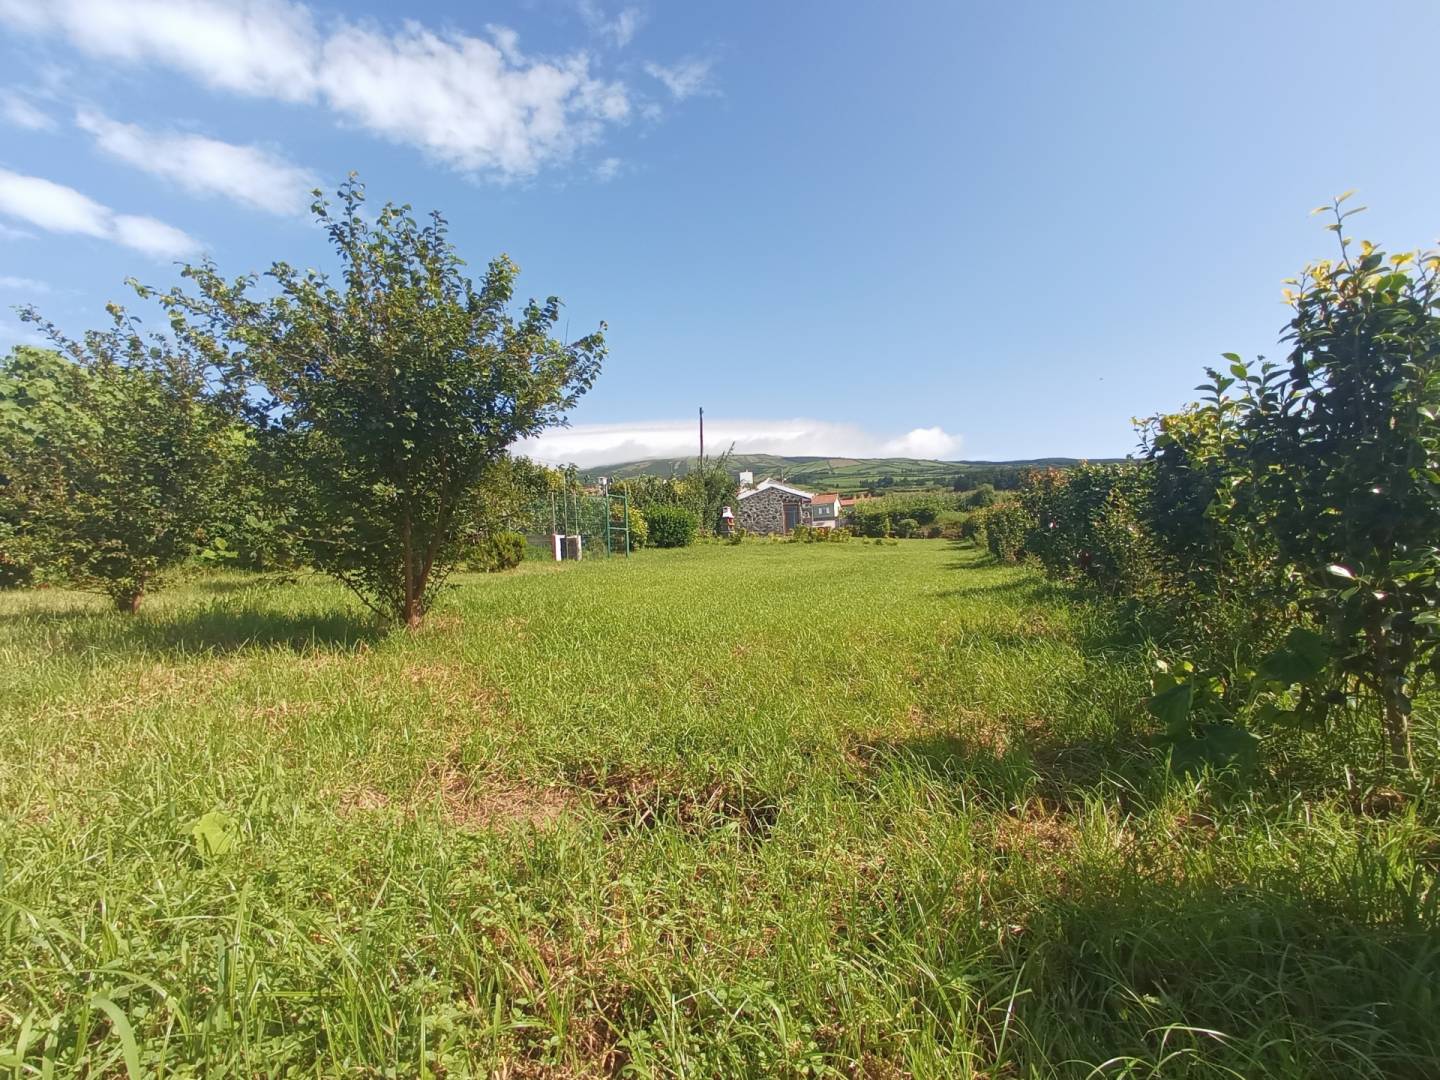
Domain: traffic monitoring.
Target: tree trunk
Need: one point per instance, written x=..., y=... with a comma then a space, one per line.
x=129, y=604
x=1397, y=734
x=411, y=612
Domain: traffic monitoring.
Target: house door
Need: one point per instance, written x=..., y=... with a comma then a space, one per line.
x=792, y=515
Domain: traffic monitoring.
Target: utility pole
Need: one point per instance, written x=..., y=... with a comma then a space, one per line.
x=702, y=436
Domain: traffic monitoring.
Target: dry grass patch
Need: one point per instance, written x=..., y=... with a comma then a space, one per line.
x=470, y=802
x=640, y=798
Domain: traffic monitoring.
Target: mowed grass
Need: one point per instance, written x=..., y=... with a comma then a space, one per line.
x=768, y=810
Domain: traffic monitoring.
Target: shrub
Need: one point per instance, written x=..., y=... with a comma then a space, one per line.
x=115, y=457
x=1007, y=525
x=498, y=551
x=639, y=528
x=382, y=395
x=981, y=497
x=672, y=526
x=1281, y=534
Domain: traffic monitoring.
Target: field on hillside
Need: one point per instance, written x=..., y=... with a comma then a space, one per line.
x=848, y=476
x=767, y=810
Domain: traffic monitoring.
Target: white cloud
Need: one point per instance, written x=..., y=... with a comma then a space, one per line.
x=9, y=232
x=619, y=30
x=23, y=284
x=477, y=103
x=51, y=206
x=247, y=174
x=18, y=112
x=685, y=79
x=928, y=442
x=57, y=208
x=260, y=47
x=610, y=444
x=608, y=169
x=152, y=237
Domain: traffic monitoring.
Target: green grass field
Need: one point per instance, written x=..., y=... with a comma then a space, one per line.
x=768, y=810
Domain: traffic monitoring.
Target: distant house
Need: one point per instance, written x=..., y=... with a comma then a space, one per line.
x=771, y=507
x=825, y=511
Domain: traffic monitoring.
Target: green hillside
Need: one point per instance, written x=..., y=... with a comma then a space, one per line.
x=846, y=475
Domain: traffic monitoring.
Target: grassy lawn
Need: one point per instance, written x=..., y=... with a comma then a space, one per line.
x=760, y=811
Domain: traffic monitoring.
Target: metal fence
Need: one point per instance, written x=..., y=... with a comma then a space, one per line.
x=579, y=525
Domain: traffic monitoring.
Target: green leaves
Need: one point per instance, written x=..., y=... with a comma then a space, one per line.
x=215, y=834
x=1302, y=659
x=380, y=401
x=117, y=446
x=1172, y=707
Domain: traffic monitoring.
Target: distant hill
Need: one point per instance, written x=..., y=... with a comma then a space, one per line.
x=846, y=475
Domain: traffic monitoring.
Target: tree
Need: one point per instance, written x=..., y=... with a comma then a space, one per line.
x=115, y=448
x=31, y=406
x=708, y=488
x=1343, y=445
x=380, y=400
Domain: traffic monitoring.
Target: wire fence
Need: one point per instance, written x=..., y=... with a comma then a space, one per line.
x=578, y=525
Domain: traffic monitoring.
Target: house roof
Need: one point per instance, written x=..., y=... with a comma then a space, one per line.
x=828, y=498
x=766, y=485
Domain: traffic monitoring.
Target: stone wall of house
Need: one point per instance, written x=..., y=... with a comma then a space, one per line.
x=764, y=512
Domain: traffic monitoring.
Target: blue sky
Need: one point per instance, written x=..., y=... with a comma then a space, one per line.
x=947, y=229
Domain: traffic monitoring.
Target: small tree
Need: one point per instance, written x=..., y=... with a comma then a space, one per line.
x=708, y=488
x=1344, y=448
x=118, y=447
x=671, y=526
x=381, y=399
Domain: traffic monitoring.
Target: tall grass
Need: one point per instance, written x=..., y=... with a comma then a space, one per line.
x=763, y=810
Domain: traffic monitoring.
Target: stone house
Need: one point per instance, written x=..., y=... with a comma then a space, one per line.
x=771, y=507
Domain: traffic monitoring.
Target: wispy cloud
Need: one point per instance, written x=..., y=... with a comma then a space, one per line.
x=22, y=284
x=479, y=104
x=619, y=29
x=56, y=208
x=19, y=111
x=610, y=444
x=205, y=166
x=260, y=47
x=608, y=169
x=685, y=79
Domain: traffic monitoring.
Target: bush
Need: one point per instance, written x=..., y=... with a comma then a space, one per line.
x=907, y=527
x=981, y=497
x=1281, y=535
x=952, y=525
x=1006, y=526
x=639, y=525
x=499, y=551
x=672, y=526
